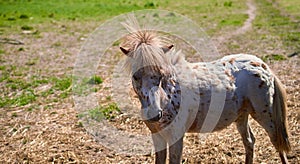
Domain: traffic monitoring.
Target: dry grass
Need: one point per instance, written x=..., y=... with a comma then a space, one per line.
x=51, y=132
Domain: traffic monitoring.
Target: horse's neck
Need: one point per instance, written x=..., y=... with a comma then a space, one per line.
x=173, y=91
x=171, y=83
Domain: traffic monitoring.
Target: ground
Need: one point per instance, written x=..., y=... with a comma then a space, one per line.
x=38, y=120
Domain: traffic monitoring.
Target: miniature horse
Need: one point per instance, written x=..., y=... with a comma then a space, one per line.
x=177, y=96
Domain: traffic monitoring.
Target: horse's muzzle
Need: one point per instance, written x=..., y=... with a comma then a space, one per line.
x=155, y=118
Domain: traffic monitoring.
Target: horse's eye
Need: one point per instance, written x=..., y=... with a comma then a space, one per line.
x=160, y=77
x=134, y=77
x=156, y=78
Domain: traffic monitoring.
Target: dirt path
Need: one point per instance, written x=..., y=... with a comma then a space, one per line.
x=251, y=12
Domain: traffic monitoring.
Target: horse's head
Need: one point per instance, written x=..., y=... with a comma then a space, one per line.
x=147, y=85
x=148, y=64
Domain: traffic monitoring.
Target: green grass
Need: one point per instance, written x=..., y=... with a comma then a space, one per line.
x=271, y=19
x=107, y=112
x=86, y=85
x=292, y=7
x=14, y=114
x=17, y=91
x=273, y=57
x=2, y=51
x=25, y=97
x=212, y=15
x=26, y=27
x=235, y=20
x=37, y=11
x=95, y=80
x=62, y=84
x=27, y=14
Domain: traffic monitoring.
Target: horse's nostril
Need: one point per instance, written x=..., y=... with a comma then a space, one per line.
x=156, y=118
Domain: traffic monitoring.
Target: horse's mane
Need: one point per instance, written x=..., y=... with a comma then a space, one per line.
x=145, y=47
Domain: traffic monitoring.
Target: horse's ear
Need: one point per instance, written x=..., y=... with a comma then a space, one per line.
x=168, y=48
x=125, y=51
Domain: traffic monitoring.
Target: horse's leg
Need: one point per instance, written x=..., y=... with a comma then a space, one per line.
x=175, y=152
x=247, y=136
x=283, y=157
x=160, y=147
x=268, y=124
x=269, y=110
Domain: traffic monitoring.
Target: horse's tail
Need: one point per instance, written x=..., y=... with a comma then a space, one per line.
x=279, y=116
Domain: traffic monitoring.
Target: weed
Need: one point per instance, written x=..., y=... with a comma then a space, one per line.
x=95, y=80
x=41, y=81
x=17, y=84
x=52, y=113
x=51, y=15
x=14, y=114
x=22, y=99
x=25, y=98
x=24, y=16
x=107, y=112
x=26, y=27
x=228, y=3
x=30, y=63
x=48, y=107
x=62, y=84
x=82, y=86
x=20, y=92
x=150, y=5
x=273, y=57
x=56, y=44
x=21, y=49
x=24, y=141
x=110, y=111
x=278, y=57
x=236, y=20
x=106, y=88
x=94, y=114
x=108, y=98
x=11, y=19
x=47, y=93
x=30, y=109
x=14, y=129
x=80, y=124
x=292, y=36
x=116, y=43
x=64, y=95
x=2, y=67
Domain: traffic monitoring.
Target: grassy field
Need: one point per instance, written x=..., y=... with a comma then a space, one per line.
x=39, y=41
x=33, y=19
x=290, y=7
x=26, y=14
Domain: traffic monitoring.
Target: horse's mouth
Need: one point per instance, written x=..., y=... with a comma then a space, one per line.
x=155, y=118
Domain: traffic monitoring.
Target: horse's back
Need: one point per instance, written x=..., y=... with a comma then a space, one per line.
x=241, y=58
x=253, y=79
x=244, y=78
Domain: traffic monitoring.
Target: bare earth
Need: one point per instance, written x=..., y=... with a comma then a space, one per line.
x=53, y=135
